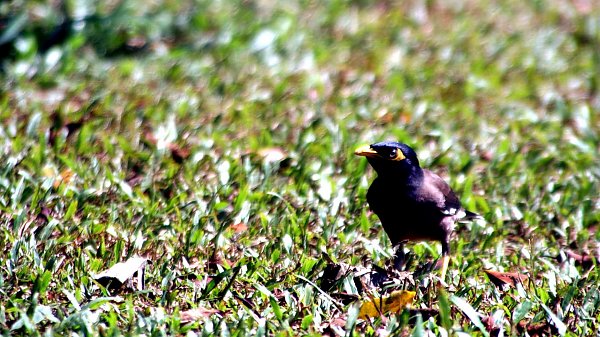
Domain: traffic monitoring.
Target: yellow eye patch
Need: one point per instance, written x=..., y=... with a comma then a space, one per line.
x=399, y=156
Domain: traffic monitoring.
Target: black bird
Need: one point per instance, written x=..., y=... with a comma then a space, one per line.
x=412, y=203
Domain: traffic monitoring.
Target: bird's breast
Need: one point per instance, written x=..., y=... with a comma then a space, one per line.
x=403, y=215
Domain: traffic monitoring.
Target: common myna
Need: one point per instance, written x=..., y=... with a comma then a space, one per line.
x=412, y=203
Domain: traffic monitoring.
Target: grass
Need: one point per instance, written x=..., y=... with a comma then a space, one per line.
x=157, y=129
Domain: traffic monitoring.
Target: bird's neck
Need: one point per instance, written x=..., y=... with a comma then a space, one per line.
x=409, y=178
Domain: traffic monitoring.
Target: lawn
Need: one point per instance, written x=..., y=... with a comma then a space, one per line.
x=215, y=139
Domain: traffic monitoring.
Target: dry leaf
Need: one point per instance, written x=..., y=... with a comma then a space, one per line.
x=338, y=322
x=239, y=227
x=65, y=177
x=394, y=302
x=499, y=279
x=197, y=314
x=178, y=153
x=584, y=260
x=272, y=154
x=121, y=272
x=537, y=329
x=335, y=327
x=150, y=138
x=49, y=172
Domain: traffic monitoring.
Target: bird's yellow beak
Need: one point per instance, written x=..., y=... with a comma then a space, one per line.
x=366, y=151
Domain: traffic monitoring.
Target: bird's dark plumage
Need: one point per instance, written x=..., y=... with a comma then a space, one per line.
x=412, y=203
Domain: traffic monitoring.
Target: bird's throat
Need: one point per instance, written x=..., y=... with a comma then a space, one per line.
x=406, y=177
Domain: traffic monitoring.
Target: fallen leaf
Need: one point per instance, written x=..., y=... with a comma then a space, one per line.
x=197, y=314
x=43, y=217
x=150, y=138
x=586, y=261
x=536, y=329
x=239, y=227
x=178, y=153
x=385, y=117
x=335, y=327
x=500, y=279
x=121, y=272
x=272, y=154
x=396, y=301
x=338, y=322
x=486, y=155
x=405, y=117
x=65, y=177
x=49, y=172
x=216, y=259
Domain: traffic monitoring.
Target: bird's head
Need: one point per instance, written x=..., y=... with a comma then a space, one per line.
x=390, y=158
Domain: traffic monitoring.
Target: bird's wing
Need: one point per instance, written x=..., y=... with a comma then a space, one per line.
x=434, y=189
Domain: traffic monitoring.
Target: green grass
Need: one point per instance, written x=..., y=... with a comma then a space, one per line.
x=501, y=98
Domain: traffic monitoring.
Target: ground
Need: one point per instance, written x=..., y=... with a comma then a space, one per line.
x=216, y=139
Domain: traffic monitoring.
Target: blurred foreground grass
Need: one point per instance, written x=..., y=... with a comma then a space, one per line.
x=216, y=138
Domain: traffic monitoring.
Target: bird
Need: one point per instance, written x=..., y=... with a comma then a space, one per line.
x=412, y=203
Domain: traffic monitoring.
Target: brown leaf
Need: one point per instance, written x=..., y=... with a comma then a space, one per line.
x=500, y=279
x=149, y=138
x=216, y=259
x=178, y=153
x=537, y=329
x=586, y=261
x=334, y=327
x=43, y=217
x=197, y=314
x=405, y=117
x=486, y=155
x=65, y=177
x=385, y=117
x=339, y=321
x=489, y=324
x=239, y=227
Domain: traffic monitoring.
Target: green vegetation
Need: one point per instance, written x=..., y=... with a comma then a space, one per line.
x=158, y=128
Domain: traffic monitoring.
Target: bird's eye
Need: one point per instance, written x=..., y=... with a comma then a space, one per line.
x=396, y=155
